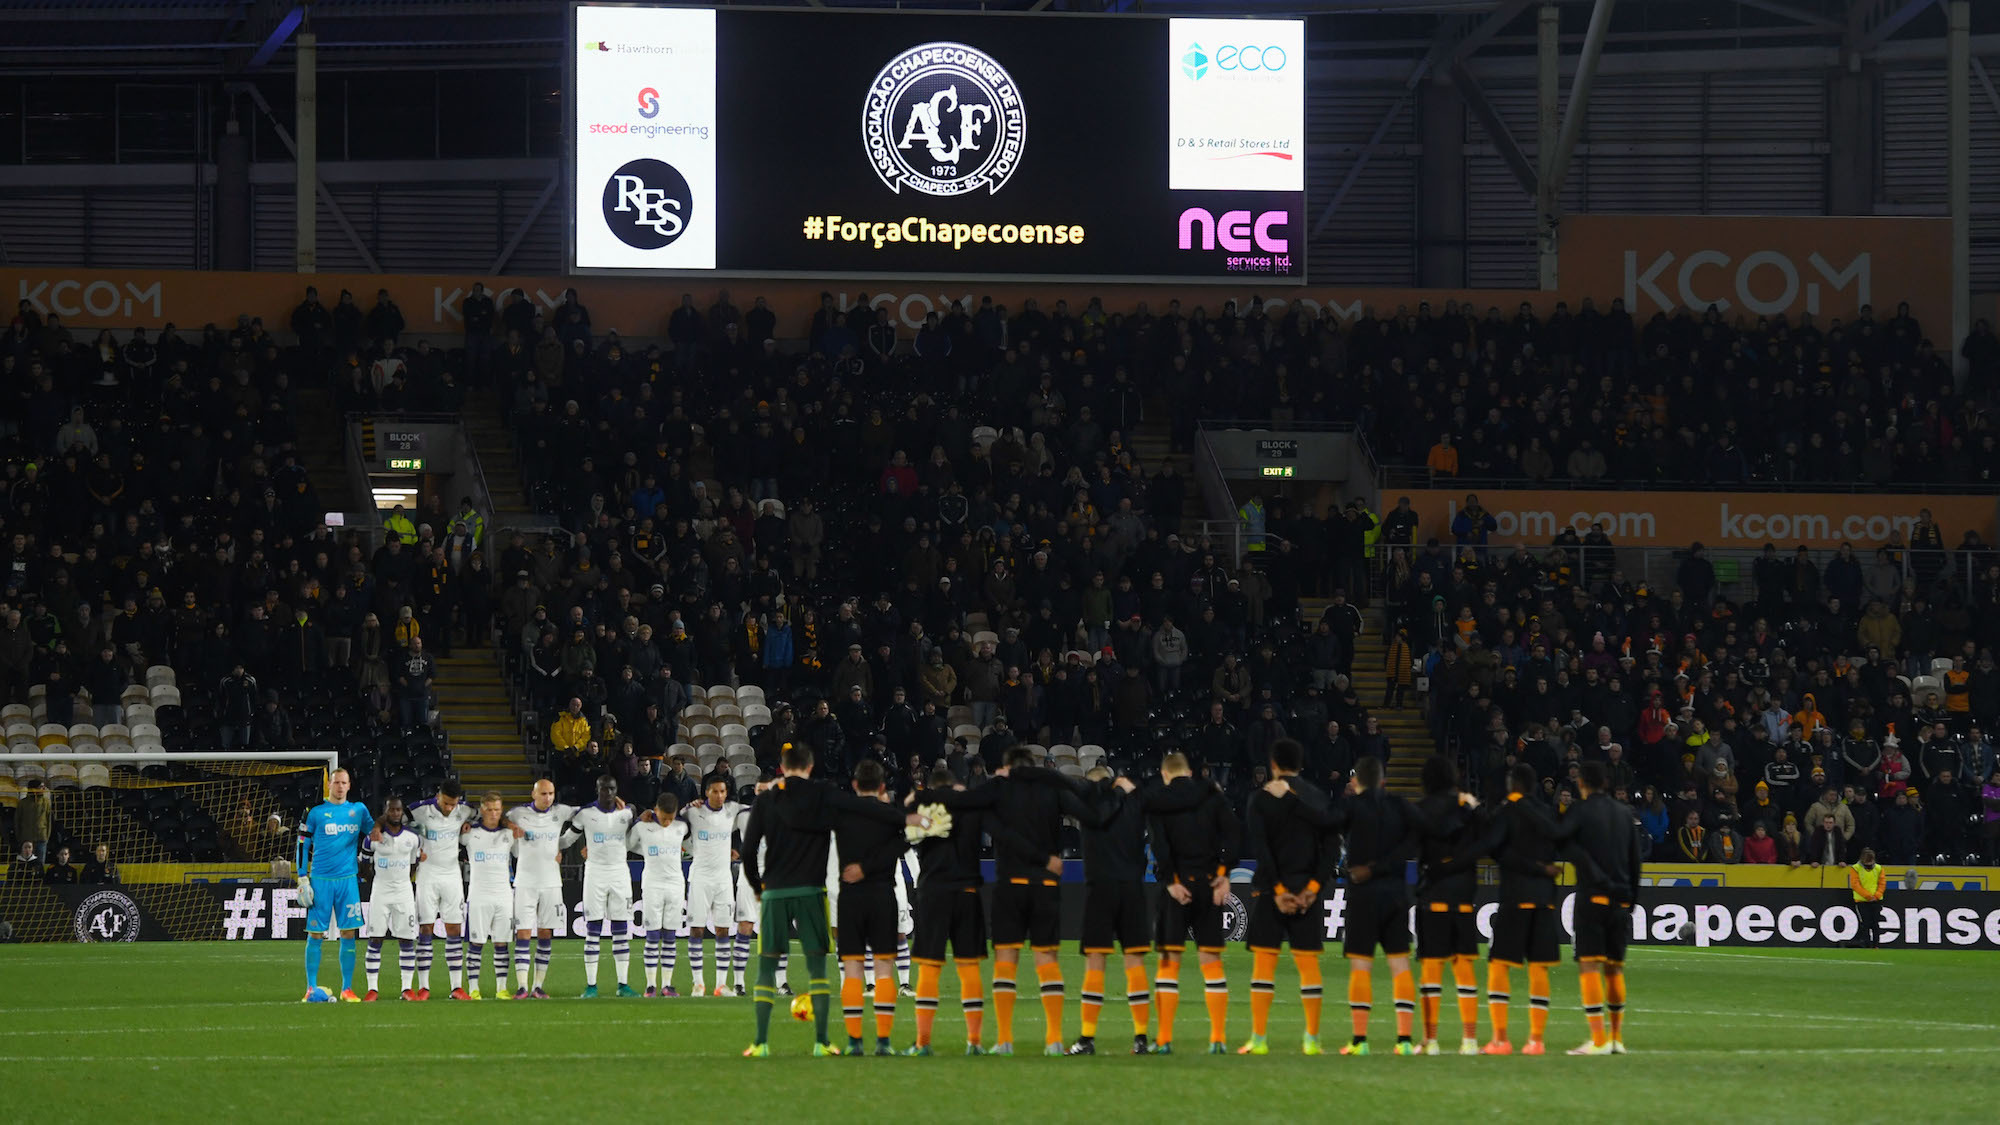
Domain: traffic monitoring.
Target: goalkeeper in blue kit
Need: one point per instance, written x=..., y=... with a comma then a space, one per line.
x=329, y=882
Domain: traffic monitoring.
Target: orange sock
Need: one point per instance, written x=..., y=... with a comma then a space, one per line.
x=1215, y=990
x=1614, y=1002
x=1263, y=989
x=1430, y=991
x=1090, y=1002
x=1138, y=998
x=1468, y=995
x=1167, y=989
x=885, y=1005
x=851, y=1005
x=1051, y=979
x=927, y=996
x=1497, y=998
x=1405, y=986
x=970, y=1000
x=1309, y=988
x=1592, y=987
x=1360, y=994
x=1003, y=1000
x=1538, y=1002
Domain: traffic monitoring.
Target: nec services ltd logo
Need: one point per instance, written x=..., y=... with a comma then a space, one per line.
x=647, y=203
x=649, y=103
x=944, y=119
x=1233, y=58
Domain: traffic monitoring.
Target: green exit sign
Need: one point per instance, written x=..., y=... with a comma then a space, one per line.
x=416, y=465
x=1278, y=470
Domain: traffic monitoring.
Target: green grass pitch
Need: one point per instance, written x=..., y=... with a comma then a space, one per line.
x=214, y=1032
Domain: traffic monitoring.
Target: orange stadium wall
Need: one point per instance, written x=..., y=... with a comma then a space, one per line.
x=1715, y=519
x=1760, y=265
x=1748, y=265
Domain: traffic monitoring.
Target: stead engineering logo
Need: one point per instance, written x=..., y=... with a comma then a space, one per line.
x=647, y=203
x=944, y=119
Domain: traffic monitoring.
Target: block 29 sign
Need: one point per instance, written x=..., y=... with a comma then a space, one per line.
x=1277, y=449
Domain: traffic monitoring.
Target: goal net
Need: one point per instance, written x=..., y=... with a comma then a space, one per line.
x=173, y=827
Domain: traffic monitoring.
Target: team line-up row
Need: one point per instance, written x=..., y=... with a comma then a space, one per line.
x=832, y=869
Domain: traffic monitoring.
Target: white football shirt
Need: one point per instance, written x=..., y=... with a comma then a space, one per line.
x=660, y=844
x=604, y=835
x=490, y=850
x=440, y=832
x=395, y=855
x=539, y=852
x=709, y=836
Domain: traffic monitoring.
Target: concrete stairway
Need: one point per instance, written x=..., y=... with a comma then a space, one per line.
x=322, y=449
x=494, y=442
x=1410, y=740
x=486, y=745
x=1151, y=442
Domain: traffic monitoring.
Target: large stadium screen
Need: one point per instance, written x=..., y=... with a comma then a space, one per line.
x=822, y=143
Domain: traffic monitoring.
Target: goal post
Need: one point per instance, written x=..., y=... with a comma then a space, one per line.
x=175, y=826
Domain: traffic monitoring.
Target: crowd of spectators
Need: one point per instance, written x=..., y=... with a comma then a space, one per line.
x=1829, y=702
x=836, y=522
x=157, y=514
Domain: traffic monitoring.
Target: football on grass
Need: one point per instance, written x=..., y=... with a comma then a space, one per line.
x=802, y=1008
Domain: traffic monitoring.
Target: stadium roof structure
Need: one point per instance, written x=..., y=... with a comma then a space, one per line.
x=242, y=36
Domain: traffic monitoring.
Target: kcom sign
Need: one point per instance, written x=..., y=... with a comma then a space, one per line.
x=1751, y=266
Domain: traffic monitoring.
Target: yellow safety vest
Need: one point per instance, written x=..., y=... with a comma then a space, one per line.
x=1373, y=535
x=1867, y=884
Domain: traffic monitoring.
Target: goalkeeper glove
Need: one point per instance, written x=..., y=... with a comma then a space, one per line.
x=305, y=891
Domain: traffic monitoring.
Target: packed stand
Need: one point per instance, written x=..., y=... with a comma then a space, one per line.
x=1588, y=397
x=1822, y=703
x=171, y=583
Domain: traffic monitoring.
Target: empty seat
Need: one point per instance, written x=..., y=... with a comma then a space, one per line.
x=16, y=731
x=166, y=696
x=137, y=693
x=680, y=750
x=986, y=637
x=93, y=775
x=114, y=732
x=1940, y=666
x=52, y=735
x=965, y=730
x=695, y=711
x=62, y=775
x=37, y=691
x=161, y=675
x=749, y=694
x=14, y=713
x=82, y=731
x=756, y=715
x=29, y=771
x=137, y=713
x=734, y=732
x=720, y=693
x=958, y=714
x=703, y=732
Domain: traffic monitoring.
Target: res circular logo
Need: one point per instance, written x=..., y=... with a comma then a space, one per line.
x=1235, y=918
x=647, y=203
x=944, y=119
x=107, y=916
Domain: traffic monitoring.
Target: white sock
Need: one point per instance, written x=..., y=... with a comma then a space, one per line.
x=454, y=960
x=374, y=963
x=621, y=951
x=406, y=960
x=590, y=960
x=695, y=952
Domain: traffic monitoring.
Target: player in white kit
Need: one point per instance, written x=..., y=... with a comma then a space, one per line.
x=538, y=898
x=746, y=916
x=659, y=837
x=607, y=884
x=392, y=907
x=711, y=889
x=489, y=852
x=440, y=885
